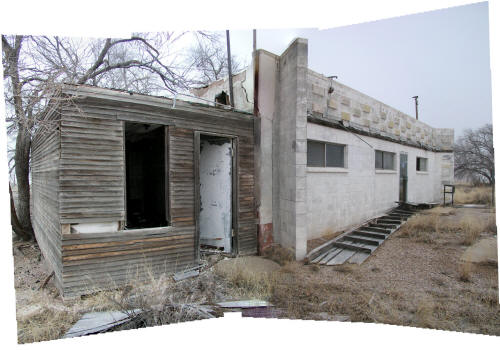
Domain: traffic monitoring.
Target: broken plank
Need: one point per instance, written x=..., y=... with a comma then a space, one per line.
x=331, y=254
x=341, y=257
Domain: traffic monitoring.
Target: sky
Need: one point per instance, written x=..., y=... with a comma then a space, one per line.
x=442, y=56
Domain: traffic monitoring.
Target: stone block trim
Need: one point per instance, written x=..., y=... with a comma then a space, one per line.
x=332, y=103
x=381, y=117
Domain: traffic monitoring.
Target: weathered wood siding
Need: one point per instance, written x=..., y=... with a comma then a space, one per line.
x=92, y=166
x=93, y=184
x=45, y=153
x=247, y=228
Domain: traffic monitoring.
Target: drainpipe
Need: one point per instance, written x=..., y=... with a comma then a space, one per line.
x=231, y=96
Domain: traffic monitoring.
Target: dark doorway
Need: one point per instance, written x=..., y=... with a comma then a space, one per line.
x=145, y=175
x=403, y=177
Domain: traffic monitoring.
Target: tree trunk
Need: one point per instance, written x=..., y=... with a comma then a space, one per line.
x=16, y=226
x=22, y=156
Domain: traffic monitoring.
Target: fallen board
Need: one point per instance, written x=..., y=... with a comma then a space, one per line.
x=96, y=322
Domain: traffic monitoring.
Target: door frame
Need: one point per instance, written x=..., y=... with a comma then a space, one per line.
x=403, y=180
x=234, y=191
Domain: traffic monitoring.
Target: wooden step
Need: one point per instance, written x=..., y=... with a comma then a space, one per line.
x=389, y=221
x=331, y=254
x=383, y=226
x=362, y=240
x=352, y=247
x=375, y=229
x=342, y=257
x=395, y=217
x=369, y=234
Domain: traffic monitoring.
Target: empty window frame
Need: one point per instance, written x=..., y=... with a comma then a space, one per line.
x=322, y=154
x=146, y=175
x=421, y=164
x=384, y=160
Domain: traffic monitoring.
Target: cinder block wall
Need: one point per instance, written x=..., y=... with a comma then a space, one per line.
x=291, y=158
x=354, y=107
x=338, y=199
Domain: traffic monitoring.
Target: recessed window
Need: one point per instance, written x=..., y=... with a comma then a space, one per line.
x=421, y=164
x=321, y=154
x=384, y=160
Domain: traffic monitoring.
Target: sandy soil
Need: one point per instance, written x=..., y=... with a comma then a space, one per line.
x=405, y=282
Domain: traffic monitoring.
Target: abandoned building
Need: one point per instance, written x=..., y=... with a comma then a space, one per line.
x=329, y=157
x=125, y=179
x=122, y=181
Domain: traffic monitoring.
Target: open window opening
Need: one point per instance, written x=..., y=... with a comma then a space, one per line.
x=216, y=186
x=145, y=175
x=421, y=164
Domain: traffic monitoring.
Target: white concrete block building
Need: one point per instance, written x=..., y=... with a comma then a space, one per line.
x=329, y=157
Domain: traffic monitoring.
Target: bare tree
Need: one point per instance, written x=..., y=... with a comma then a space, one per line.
x=475, y=156
x=34, y=67
x=208, y=58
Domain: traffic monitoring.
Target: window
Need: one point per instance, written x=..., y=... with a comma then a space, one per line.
x=384, y=160
x=421, y=164
x=321, y=154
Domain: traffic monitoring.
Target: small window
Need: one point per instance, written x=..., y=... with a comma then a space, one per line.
x=421, y=164
x=321, y=154
x=384, y=160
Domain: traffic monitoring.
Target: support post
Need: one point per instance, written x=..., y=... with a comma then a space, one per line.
x=229, y=71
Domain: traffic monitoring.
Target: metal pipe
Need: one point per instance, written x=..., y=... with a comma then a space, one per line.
x=416, y=106
x=231, y=96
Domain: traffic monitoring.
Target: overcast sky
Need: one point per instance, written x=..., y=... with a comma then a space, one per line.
x=441, y=56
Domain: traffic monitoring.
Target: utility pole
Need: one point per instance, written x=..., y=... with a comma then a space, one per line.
x=254, y=40
x=416, y=106
x=231, y=96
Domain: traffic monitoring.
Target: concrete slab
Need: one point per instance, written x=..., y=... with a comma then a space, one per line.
x=484, y=251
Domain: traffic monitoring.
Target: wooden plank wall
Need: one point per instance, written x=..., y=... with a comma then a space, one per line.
x=92, y=190
x=247, y=228
x=45, y=154
x=92, y=166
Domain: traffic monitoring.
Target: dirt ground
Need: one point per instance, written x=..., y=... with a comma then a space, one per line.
x=413, y=279
x=407, y=281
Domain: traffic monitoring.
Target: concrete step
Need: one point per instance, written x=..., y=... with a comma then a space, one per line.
x=369, y=234
x=363, y=240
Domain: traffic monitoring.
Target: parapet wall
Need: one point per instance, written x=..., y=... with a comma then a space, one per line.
x=331, y=100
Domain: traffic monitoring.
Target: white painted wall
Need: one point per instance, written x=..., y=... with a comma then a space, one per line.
x=215, y=194
x=340, y=198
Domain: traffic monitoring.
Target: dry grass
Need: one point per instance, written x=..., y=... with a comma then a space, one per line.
x=472, y=195
x=430, y=226
x=250, y=284
x=465, y=272
x=421, y=228
x=441, y=211
x=425, y=313
x=471, y=228
x=279, y=254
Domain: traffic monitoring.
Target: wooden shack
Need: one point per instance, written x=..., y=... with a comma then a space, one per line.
x=126, y=184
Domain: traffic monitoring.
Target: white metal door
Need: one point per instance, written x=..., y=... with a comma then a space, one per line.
x=216, y=192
